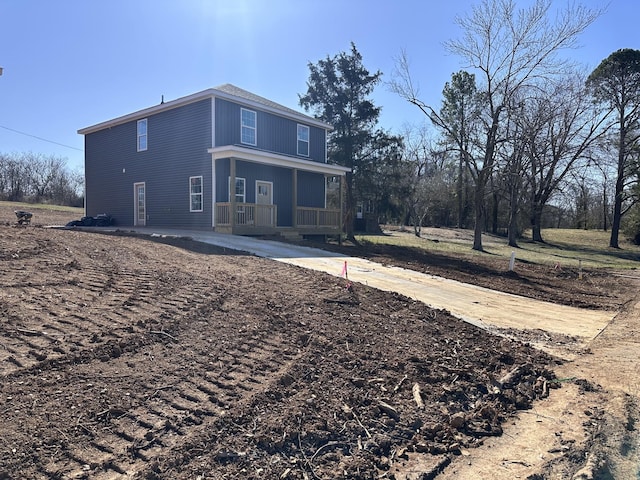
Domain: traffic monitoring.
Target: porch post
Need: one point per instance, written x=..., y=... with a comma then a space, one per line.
x=340, y=227
x=213, y=193
x=232, y=192
x=294, y=200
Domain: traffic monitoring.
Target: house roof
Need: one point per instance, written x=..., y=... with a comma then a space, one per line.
x=276, y=159
x=252, y=97
x=227, y=92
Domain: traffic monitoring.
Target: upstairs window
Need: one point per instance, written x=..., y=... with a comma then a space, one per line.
x=142, y=135
x=303, y=140
x=247, y=127
x=195, y=194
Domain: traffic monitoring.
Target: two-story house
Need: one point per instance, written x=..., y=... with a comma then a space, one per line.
x=222, y=159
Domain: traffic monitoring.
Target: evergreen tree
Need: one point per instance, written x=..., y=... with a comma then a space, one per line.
x=338, y=91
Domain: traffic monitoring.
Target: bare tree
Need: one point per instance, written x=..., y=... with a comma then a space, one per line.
x=511, y=49
x=514, y=163
x=67, y=188
x=417, y=150
x=428, y=196
x=429, y=176
x=584, y=185
x=616, y=83
x=561, y=127
x=39, y=178
x=4, y=165
x=42, y=172
x=14, y=178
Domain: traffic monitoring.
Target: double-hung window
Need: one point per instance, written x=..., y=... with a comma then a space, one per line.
x=195, y=194
x=240, y=191
x=303, y=140
x=248, y=126
x=142, y=135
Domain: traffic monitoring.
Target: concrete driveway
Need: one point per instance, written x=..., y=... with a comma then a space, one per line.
x=477, y=305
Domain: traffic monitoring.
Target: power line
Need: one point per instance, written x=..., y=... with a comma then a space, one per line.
x=40, y=138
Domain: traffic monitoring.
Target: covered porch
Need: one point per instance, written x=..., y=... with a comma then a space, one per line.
x=292, y=210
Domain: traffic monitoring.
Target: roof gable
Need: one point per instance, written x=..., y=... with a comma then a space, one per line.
x=252, y=97
x=227, y=91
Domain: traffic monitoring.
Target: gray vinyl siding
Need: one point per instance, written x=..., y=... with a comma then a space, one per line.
x=178, y=140
x=273, y=133
x=252, y=172
x=311, y=189
x=221, y=178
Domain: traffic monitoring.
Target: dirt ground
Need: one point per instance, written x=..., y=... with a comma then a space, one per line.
x=125, y=357
x=552, y=283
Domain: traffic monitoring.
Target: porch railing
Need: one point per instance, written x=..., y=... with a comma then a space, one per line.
x=254, y=215
x=247, y=215
x=318, y=218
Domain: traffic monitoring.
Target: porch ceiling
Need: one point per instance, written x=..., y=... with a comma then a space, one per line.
x=268, y=158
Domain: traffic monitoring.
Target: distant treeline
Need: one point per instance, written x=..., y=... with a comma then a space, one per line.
x=39, y=178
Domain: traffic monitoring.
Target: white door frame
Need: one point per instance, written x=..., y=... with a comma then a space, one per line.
x=137, y=221
x=265, y=217
x=263, y=182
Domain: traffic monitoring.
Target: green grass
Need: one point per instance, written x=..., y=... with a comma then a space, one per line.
x=41, y=206
x=563, y=247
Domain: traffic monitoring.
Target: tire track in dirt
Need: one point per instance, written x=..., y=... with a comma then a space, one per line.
x=103, y=305
x=161, y=419
x=125, y=318
x=172, y=364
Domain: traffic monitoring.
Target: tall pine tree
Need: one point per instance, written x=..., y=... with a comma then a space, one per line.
x=338, y=92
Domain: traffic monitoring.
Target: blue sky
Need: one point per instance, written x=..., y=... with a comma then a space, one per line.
x=69, y=64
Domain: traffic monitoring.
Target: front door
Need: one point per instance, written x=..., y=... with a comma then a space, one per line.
x=264, y=201
x=140, y=211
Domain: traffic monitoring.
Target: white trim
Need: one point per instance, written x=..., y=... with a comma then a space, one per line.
x=308, y=140
x=145, y=135
x=275, y=159
x=196, y=97
x=213, y=193
x=136, y=219
x=326, y=179
x=254, y=128
x=213, y=121
x=191, y=194
x=213, y=164
x=244, y=195
x=326, y=147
